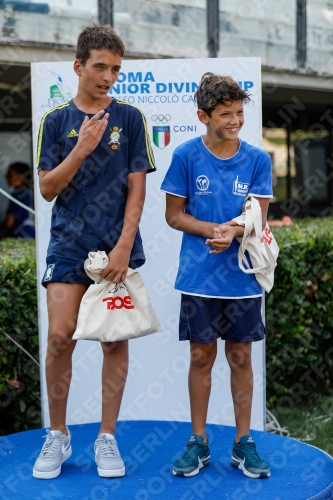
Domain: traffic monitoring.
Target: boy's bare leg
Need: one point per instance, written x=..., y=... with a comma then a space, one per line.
x=199, y=383
x=63, y=302
x=238, y=355
x=114, y=373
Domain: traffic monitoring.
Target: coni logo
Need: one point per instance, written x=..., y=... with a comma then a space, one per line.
x=202, y=183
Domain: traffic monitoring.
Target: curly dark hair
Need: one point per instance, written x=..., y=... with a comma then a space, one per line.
x=214, y=90
x=98, y=36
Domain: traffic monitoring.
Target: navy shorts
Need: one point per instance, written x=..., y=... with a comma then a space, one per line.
x=64, y=270
x=204, y=320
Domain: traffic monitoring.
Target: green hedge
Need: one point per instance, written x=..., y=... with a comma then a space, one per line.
x=19, y=375
x=299, y=314
x=299, y=320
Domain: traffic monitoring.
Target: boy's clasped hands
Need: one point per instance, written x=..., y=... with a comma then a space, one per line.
x=223, y=237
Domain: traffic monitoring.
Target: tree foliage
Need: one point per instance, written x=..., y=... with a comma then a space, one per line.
x=19, y=375
x=299, y=313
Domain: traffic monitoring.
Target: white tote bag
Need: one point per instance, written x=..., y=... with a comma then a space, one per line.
x=260, y=245
x=114, y=311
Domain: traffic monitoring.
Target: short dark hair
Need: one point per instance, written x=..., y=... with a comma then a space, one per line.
x=214, y=90
x=98, y=36
x=19, y=167
x=24, y=170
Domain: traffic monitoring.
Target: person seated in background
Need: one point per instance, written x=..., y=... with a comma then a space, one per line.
x=19, y=222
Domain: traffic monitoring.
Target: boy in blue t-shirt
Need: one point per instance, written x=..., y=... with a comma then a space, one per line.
x=93, y=155
x=206, y=185
x=19, y=222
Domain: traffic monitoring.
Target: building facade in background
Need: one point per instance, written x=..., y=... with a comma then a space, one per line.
x=294, y=39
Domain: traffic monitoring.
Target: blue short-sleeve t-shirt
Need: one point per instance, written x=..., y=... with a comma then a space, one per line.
x=24, y=224
x=88, y=214
x=215, y=190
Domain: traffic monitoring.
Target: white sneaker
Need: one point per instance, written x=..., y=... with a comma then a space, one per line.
x=55, y=451
x=108, y=460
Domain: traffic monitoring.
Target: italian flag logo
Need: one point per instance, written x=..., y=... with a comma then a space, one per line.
x=161, y=136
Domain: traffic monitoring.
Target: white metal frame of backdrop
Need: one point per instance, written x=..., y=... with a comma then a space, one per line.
x=156, y=388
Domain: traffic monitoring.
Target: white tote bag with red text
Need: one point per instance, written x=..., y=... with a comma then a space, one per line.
x=114, y=311
x=260, y=245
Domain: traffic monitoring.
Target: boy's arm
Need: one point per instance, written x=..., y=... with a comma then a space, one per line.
x=140, y=162
x=220, y=231
x=13, y=212
x=178, y=219
x=119, y=257
x=52, y=182
x=264, y=203
x=8, y=222
x=219, y=236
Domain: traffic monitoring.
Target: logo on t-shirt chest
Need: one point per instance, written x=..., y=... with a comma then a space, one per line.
x=240, y=188
x=202, y=183
x=72, y=133
x=114, y=142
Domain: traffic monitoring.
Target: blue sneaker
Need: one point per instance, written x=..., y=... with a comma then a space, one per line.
x=195, y=457
x=245, y=457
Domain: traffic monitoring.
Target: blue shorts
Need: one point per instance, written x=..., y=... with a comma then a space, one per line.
x=204, y=320
x=64, y=270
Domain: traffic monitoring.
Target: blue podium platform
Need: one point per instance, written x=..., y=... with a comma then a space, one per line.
x=298, y=471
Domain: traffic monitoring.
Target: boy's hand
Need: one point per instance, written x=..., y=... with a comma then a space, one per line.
x=223, y=236
x=91, y=132
x=116, y=269
x=230, y=223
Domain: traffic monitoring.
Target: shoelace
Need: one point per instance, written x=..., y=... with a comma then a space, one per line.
x=251, y=453
x=51, y=446
x=105, y=447
x=191, y=451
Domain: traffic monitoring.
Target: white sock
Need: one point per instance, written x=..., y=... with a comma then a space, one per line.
x=55, y=430
x=109, y=436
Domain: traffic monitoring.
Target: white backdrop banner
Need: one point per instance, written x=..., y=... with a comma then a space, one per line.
x=156, y=388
